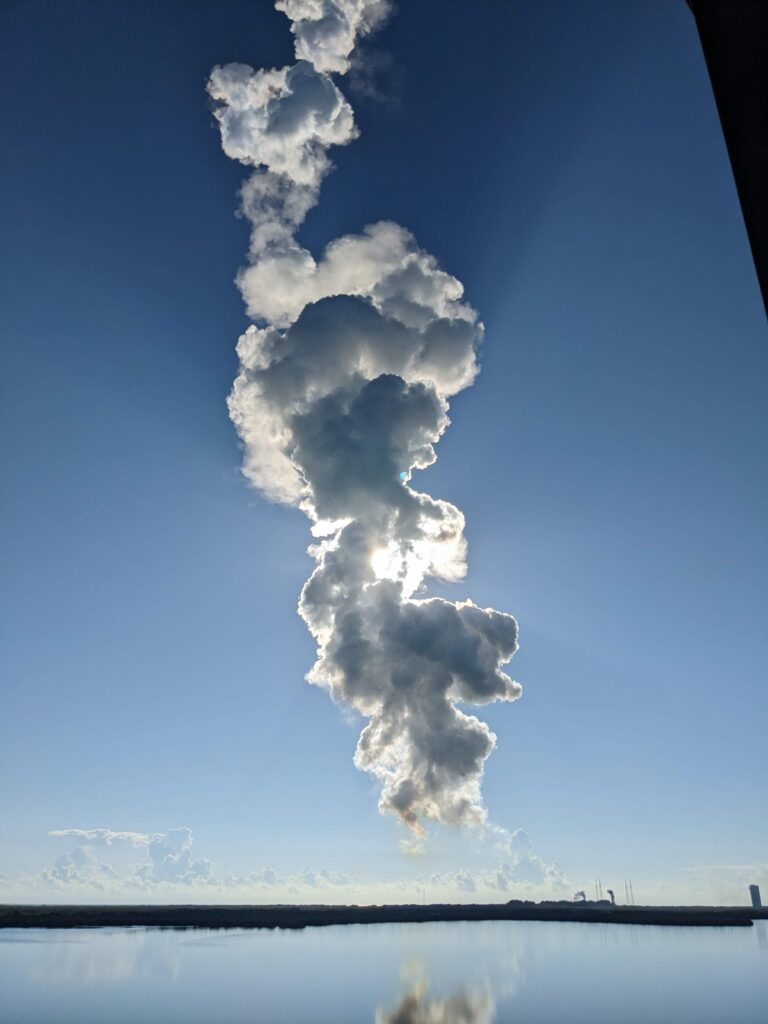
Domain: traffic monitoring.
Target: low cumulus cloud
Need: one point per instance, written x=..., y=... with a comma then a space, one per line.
x=167, y=862
x=81, y=868
x=522, y=874
x=342, y=395
x=168, y=858
x=104, y=861
x=522, y=864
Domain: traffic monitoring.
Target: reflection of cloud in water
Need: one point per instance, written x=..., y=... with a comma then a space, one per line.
x=463, y=1007
x=455, y=990
x=103, y=957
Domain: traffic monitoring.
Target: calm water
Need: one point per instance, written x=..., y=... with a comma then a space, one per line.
x=472, y=973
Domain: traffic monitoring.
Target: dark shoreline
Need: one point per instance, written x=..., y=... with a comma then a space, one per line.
x=288, y=916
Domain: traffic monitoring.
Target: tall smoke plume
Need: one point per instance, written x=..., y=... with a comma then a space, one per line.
x=342, y=392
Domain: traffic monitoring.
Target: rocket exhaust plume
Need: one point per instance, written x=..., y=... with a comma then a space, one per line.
x=342, y=392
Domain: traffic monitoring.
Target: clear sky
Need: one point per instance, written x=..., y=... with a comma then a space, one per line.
x=565, y=162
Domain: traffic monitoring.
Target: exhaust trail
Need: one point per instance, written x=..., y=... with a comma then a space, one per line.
x=342, y=392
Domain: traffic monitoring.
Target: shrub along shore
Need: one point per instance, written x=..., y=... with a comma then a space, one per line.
x=306, y=916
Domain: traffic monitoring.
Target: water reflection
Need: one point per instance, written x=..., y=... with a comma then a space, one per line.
x=107, y=957
x=461, y=1008
x=442, y=973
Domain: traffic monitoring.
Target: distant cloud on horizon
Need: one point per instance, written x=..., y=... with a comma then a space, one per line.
x=513, y=870
x=168, y=865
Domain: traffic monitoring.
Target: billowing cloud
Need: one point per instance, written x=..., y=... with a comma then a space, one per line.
x=522, y=863
x=170, y=859
x=384, y=265
x=283, y=119
x=80, y=867
x=522, y=873
x=326, y=31
x=342, y=394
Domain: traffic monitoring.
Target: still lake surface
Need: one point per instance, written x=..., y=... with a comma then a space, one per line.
x=526, y=972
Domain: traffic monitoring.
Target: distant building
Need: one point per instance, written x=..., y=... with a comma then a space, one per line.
x=754, y=892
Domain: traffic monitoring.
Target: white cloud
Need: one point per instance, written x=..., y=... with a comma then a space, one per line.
x=522, y=863
x=170, y=859
x=326, y=31
x=81, y=868
x=282, y=119
x=102, y=836
x=342, y=393
x=334, y=411
x=384, y=265
x=522, y=874
x=167, y=870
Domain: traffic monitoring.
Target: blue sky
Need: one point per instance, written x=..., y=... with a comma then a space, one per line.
x=565, y=162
